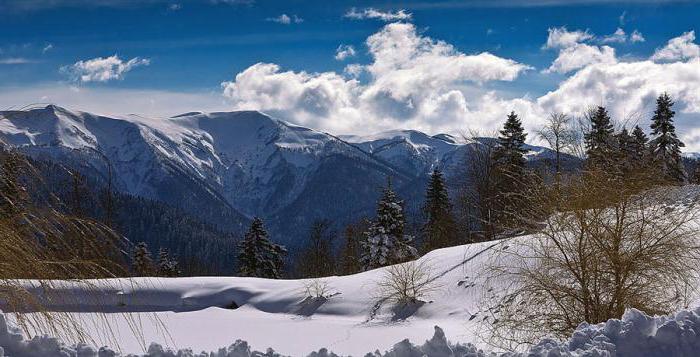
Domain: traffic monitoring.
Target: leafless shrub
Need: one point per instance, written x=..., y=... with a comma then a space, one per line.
x=611, y=246
x=317, y=289
x=406, y=283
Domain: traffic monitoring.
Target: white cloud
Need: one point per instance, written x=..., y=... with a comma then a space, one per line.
x=47, y=48
x=574, y=54
x=678, y=49
x=354, y=70
x=417, y=82
x=581, y=55
x=285, y=19
x=174, y=7
x=16, y=60
x=629, y=91
x=372, y=13
x=560, y=37
x=619, y=36
x=414, y=81
x=636, y=36
x=102, y=69
x=344, y=51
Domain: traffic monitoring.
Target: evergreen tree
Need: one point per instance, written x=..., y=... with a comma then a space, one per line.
x=600, y=144
x=439, y=230
x=385, y=241
x=142, y=261
x=511, y=174
x=639, y=149
x=510, y=153
x=167, y=266
x=665, y=145
x=625, y=152
x=258, y=256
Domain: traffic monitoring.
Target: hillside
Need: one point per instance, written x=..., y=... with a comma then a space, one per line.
x=227, y=167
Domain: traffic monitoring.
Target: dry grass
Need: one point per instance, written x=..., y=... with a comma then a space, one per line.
x=42, y=248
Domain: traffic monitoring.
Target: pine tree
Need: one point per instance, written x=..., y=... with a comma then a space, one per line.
x=625, y=152
x=439, y=230
x=510, y=152
x=142, y=262
x=167, y=266
x=600, y=143
x=258, y=256
x=510, y=171
x=665, y=146
x=639, y=149
x=385, y=241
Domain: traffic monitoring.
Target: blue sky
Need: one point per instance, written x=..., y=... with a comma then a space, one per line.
x=184, y=50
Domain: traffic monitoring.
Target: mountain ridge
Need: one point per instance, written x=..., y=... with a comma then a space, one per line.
x=245, y=163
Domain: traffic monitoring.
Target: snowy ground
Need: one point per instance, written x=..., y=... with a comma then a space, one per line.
x=190, y=312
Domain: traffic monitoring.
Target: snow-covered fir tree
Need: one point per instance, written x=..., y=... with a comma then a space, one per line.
x=439, y=229
x=167, y=265
x=142, y=261
x=258, y=256
x=665, y=146
x=385, y=241
x=600, y=143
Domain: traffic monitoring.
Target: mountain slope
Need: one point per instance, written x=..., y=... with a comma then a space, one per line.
x=227, y=167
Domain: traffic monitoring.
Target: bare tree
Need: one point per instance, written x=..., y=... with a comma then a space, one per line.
x=612, y=246
x=559, y=135
x=477, y=196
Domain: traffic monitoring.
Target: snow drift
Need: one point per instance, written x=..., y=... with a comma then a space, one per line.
x=636, y=334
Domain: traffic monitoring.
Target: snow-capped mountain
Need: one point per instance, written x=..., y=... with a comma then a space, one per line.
x=227, y=167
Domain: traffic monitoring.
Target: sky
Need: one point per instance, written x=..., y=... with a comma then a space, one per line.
x=357, y=67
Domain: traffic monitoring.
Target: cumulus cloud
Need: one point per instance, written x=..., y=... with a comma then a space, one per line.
x=285, y=19
x=414, y=81
x=343, y=52
x=574, y=53
x=636, y=36
x=354, y=70
x=619, y=36
x=372, y=13
x=560, y=37
x=629, y=90
x=678, y=49
x=102, y=69
x=581, y=55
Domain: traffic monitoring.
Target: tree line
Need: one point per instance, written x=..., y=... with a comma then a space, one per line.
x=496, y=195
